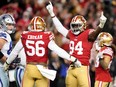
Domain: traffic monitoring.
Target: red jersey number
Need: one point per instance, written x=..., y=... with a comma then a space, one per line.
x=35, y=48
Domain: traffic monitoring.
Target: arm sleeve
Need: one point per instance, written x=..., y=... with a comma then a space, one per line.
x=62, y=53
x=60, y=27
x=15, y=52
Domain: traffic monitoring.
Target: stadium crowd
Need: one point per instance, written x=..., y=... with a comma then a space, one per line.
x=24, y=10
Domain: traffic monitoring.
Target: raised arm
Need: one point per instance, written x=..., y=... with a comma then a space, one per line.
x=56, y=21
x=94, y=34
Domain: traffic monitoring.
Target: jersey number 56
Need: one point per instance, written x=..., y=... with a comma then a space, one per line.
x=35, y=48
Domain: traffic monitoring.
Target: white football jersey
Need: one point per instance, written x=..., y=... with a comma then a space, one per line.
x=7, y=48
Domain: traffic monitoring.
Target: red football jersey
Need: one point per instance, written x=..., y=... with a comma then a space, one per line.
x=101, y=74
x=36, y=45
x=80, y=47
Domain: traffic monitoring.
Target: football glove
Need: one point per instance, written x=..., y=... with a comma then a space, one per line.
x=6, y=66
x=75, y=61
x=102, y=20
x=50, y=9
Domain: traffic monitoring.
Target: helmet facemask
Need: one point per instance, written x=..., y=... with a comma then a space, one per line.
x=77, y=28
x=78, y=24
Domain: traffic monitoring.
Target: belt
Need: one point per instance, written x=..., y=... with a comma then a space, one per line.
x=36, y=63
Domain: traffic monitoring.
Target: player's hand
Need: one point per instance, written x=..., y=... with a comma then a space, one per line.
x=102, y=20
x=50, y=9
x=75, y=61
x=6, y=66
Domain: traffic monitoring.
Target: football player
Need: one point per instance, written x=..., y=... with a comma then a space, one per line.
x=81, y=42
x=7, y=26
x=36, y=42
x=104, y=57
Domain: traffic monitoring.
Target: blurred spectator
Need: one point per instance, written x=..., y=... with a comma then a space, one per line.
x=62, y=73
x=24, y=21
x=54, y=64
x=13, y=8
x=113, y=71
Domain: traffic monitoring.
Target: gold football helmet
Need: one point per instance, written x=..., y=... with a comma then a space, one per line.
x=78, y=24
x=105, y=38
x=37, y=24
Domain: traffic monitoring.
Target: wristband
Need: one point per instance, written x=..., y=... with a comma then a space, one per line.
x=1, y=54
x=101, y=25
x=75, y=60
x=53, y=16
x=7, y=63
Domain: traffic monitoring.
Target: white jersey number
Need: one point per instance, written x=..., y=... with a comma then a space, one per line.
x=77, y=47
x=39, y=51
